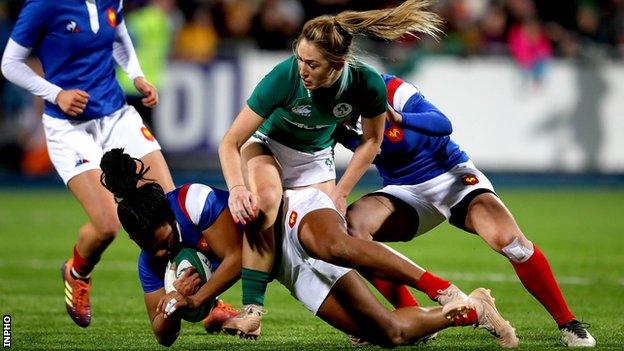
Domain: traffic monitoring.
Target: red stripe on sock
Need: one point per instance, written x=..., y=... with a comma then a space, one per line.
x=397, y=294
x=431, y=284
x=537, y=277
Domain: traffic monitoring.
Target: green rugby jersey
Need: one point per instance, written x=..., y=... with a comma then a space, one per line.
x=305, y=119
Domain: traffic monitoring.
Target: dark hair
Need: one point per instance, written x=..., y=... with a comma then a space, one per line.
x=140, y=209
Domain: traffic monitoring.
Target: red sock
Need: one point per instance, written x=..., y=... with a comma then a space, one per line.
x=397, y=294
x=537, y=277
x=469, y=319
x=431, y=284
x=81, y=265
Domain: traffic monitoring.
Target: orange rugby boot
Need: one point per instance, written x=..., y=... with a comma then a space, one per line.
x=76, y=296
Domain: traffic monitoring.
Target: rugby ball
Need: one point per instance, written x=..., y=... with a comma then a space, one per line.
x=185, y=259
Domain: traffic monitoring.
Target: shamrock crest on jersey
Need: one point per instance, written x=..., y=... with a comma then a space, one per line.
x=342, y=109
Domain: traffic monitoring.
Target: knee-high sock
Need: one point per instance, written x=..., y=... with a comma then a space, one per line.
x=254, y=286
x=537, y=277
x=397, y=294
x=431, y=285
x=81, y=266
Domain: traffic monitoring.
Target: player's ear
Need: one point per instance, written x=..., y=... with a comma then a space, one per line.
x=338, y=65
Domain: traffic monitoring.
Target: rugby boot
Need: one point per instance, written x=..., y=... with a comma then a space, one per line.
x=76, y=296
x=247, y=324
x=450, y=294
x=219, y=314
x=575, y=334
x=488, y=316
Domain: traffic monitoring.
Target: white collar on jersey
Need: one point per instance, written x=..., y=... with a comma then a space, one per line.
x=344, y=81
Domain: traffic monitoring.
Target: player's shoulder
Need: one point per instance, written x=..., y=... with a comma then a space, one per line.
x=42, y=5
x=364, y=71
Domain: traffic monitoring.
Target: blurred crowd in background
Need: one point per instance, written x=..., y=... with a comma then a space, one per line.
x=530, y=32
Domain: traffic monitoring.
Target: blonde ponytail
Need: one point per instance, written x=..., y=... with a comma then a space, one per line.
x=333, y=34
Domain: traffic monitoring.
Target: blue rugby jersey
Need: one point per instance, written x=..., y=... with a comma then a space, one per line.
x=73, y=54
x=418, y=150
x=195, y=207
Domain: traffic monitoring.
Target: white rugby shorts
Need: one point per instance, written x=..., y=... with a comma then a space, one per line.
x=434, y=198
x=300, y=168
x=309, y=280
x=77, y=146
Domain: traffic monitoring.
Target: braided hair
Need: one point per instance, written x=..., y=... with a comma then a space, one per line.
x=140, y=209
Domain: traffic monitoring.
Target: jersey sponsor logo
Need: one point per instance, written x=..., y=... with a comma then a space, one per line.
x=394, y=134
x=303, y=110
x=469, y=179
x=111, y=17
x=72, y=27
x=305, y=126
x=292, y=219
x=147, y=134
x=342, y=109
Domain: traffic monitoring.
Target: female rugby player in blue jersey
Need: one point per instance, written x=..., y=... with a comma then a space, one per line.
x=85, y=114
x=283, y=137
x=428, y=179
x=197, y=216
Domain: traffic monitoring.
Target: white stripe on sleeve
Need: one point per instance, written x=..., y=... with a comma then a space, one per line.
x=195, y=200
x=124, y=54
x=402, y=94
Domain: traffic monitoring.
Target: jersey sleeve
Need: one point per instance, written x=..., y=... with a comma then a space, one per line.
x=418, y=114
x=204, y=204
x=150, y=279
x=273, y=90
x=374, y=102
x=31, y=23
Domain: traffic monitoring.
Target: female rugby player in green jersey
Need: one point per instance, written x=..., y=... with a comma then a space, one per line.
x=282, y=139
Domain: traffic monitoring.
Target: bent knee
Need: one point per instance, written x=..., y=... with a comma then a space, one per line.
x=517, y=250
x=269, y=199
x=106, y=226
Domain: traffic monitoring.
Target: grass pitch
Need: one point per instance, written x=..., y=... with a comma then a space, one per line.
x=580, y=231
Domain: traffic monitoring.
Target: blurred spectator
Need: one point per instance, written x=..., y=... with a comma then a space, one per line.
x=530, y=48
x=151, y=29
x=277, y=23
x=493, y=27
x=235, y=17
x=197, y=39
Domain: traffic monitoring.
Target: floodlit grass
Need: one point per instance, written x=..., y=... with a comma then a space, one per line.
x=580, y=231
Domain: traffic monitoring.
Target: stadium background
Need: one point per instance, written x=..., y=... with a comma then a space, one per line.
x=545, y=123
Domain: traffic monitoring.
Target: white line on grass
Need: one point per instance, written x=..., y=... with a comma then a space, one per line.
x=131, y=266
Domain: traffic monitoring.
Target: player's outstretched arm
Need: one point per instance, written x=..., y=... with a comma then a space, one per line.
x=166, y=330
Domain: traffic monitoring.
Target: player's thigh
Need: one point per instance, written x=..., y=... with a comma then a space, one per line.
x=323, y=234
x=262, y=173
x=97, y=202
x=383, y=217
x=159, y=171
x=489, y=218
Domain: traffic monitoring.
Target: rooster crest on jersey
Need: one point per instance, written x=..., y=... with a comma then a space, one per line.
x=72, y=27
